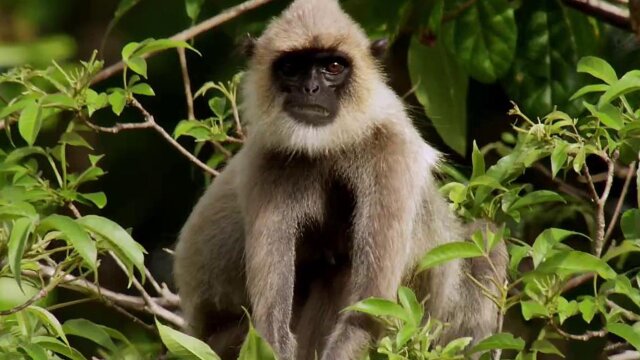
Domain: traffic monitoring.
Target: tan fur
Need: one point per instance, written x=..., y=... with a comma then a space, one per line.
x=307, y=220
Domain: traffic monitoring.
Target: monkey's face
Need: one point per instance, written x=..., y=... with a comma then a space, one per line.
x=312, y=82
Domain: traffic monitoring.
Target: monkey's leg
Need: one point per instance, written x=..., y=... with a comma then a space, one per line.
x=318, y=313
x=458, y=301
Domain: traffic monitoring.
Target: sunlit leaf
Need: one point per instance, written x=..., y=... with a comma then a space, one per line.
x=90, y=331
x=628, y=333
x=30, y=122
x=255, y=347
x=49, y=321
x=629, y=82
x=409, y=301
x=17, y=243
x=447, y=252
x=504, y=341
x=536, y=198
x=381, y=307
x=565, y=263
x=630, y=224
x=75, y=235
x=597, y=68
x=184, y=346
x=588, y=308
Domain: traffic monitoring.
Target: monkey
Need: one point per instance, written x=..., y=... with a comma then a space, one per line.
x=331, y=200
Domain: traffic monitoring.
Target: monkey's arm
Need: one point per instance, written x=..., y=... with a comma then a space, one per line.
x=388, y=198
x=270, y=267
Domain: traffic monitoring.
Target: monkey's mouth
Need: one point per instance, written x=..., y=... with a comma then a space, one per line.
x=310, y=110
x=310, y=114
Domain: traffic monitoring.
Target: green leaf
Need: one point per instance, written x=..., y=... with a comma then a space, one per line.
x=117, y=236
x=447, y=252
x=456, y=346
x=11, y=295
x=193, y=8
x=153, y=45
x=629, y=82
x=546, y=347
x=409, y=301
x=218, y=105
x=597, y=68
x=137, y=64
x=589, y=89
x=95, y=101
x=607, y=114
x=488, y=181
x=30, y=122
x=254, y=347
x=88, y=330
x=99, y=199
x=588, y=308
x=74, y=139
x=477, y=160
x=630, y=224
x=483, y=38
x=535, y=198
x=531, y=309
x=565, y=308
x=35, y=351
x=142, y=89
x=15, y=106
x=17, y=242
x=58, y=100
x=433, y=69
x=628, y=333
x=118, y=100
x=49, y=321
x=184, y=346
x=504, y=341
x=559, y=157
x=381, y=307
x=566, y=263
x=57, y=347
x=75, y=235
x=625, y=247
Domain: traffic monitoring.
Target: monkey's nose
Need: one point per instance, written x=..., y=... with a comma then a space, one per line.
x=311, y=89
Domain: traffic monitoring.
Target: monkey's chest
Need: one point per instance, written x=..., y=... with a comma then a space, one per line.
x=324, y=246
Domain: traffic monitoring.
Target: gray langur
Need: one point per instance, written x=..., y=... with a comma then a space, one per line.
x=331, y=200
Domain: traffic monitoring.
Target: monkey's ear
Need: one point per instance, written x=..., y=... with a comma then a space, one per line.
x=247, y=45
x=379, y=47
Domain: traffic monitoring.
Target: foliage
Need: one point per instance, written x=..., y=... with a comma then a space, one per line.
x=51, y=173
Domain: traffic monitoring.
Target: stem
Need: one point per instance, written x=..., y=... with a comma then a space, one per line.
x=623, y=195
x=187, y=83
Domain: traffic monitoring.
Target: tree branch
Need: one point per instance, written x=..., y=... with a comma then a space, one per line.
x=190, y=33
x=187, y=83
x=604, y=11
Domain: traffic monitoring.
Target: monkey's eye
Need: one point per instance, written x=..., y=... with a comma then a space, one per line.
x=334, y=68
x=288, y=70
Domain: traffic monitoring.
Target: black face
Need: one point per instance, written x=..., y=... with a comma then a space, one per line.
x=313, y=82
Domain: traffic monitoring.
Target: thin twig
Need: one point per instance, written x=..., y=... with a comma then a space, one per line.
x=187, y=83
x=562, y=185
x=623, y=194
x=631, y=316
x=577, y=281
x=190, y=33
x=149, y=119
x=588, y=335
x=599, y=242
x=151, y=305
x=53, y=283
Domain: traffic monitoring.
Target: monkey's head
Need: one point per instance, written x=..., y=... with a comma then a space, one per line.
x=313, y=82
